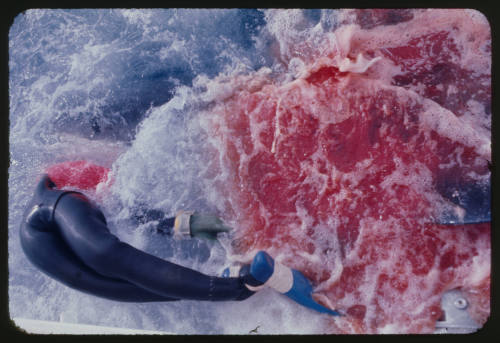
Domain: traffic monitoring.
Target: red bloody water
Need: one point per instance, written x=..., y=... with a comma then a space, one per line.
x=334, y=173
x=77, y=174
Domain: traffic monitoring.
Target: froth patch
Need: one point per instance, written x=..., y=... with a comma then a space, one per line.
x=333, y=171
x=359, y=66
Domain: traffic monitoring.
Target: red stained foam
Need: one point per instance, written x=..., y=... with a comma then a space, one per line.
x=77, y=174
x=334, y=173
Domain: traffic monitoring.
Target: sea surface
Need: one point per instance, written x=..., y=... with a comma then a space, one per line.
x=116, y=88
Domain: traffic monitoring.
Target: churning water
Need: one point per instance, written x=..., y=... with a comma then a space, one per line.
x=326, y=137
x=118, y=88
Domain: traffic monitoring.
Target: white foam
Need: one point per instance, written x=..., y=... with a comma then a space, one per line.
x=360, y=66
x=164, y=168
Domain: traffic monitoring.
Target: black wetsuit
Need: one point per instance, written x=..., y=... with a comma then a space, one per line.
x=66, y=237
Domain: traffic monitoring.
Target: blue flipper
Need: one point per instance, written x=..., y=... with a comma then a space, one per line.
x=289, y=282
x=301, y=293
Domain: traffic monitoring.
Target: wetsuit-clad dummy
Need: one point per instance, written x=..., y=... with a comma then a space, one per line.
x=66, y=236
